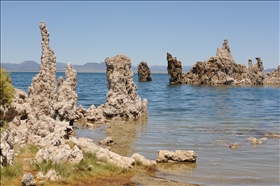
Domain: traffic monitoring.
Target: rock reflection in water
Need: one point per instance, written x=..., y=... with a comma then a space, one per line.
x=124, y=134
x=176, y=167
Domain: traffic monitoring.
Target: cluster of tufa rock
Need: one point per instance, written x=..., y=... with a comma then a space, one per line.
x=43, y=117
x=219, y=70
x=144, y=73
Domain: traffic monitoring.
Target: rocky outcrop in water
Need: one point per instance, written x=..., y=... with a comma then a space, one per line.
x=144, y=73
x=122, y=99
x=272, y=77
x=220, y=69
x=174, y=69
x=165, y=156
x=255, y=72
x=217, y=70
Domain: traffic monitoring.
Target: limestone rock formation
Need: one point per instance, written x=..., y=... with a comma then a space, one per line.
x=122, y=99
x=144, y=73
x=272, y=77
x=174, y=69
x=165, y=156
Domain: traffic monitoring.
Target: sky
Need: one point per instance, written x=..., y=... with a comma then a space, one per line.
x=91, y=31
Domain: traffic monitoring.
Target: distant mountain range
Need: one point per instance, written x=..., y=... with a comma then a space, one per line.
x=32, y=66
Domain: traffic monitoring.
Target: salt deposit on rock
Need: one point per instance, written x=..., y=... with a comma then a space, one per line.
x=122, y=99
x=165, y=156
x=144, y=73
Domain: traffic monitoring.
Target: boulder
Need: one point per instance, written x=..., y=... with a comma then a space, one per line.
x=143, y=160
x=28, y=180
x=52, y=175
x=88, y=145
x=144, y=73
x=254, y=140
x=234, y=146
x=107, y=141
x=59, y=152
x=165, y=156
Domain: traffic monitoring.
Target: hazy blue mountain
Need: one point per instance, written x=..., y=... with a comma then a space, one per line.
x=270, y=69
x=32, y=66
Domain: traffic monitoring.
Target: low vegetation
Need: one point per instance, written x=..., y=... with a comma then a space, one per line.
x=90, y=171
x=7, y=90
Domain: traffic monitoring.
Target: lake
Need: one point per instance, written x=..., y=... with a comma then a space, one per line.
x=206, y=119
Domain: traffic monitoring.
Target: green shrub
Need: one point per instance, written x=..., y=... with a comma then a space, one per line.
x=7, y=90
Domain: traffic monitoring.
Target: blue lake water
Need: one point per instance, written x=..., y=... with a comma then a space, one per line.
x=206, y=119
